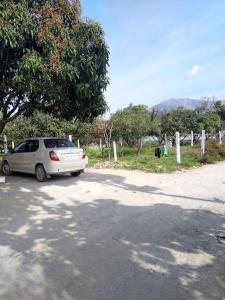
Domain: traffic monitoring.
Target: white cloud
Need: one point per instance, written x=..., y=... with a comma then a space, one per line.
x=194, y=70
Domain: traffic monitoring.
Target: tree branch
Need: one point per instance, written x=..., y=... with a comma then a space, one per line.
x=19, y=112
x=15, y=107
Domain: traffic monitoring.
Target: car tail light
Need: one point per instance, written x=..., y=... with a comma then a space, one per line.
x=84, y=156
x=53, y=156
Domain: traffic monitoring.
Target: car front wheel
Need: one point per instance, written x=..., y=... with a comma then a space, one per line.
x=41, y=173
x=6, y=168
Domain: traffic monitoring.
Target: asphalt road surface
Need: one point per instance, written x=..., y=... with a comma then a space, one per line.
x=114, y=234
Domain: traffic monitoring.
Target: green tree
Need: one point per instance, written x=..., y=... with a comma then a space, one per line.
x=179, y=119
x=132, y=124
x=220, y=110
x=206, y=118
x=51, y=59
x=40, y=124
x=187, y=120
x=37, y=125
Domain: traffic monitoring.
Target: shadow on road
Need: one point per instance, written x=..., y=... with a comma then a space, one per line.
x=116, y=181
x=104, y=250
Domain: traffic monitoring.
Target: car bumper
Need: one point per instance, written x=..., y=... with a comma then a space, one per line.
x=57, y=168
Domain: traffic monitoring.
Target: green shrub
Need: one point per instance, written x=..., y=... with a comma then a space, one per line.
x=207, y=159
x=214, y=152
x=222, y=150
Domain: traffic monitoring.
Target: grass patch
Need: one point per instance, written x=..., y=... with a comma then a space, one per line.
x=146, y=161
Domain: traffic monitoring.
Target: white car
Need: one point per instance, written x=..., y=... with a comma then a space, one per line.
x=44, y=157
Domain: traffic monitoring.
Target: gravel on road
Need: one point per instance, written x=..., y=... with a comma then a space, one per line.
x=114, y=234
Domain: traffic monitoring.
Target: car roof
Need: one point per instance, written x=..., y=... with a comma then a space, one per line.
x=43, y=138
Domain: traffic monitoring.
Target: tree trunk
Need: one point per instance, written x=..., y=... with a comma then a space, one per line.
x=138, y=150
x=2, y=126
x=109, y=152
x=121, y=147
x=138, y=147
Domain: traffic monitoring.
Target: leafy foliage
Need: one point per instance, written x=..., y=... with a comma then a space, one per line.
x=51, y=59
x=133, y=123
x=204, y=117
x=220, y=110
x=180, y=120
x=127, y=126
x=45, y=125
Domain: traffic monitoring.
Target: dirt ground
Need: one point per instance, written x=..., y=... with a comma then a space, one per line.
x=114, y=234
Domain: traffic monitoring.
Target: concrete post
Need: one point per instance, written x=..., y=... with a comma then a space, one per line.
x=178, y=147
x=220, y=138
x=192, y=138
x=13, y=145
x=100, y=143
x=165, y=138
x=114, y=151
x=203, y=142
x=78, y=143
x=70, y=137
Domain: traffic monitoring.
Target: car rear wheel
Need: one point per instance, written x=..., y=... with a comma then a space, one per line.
x=41, y=174
x=6, y=168
x=74, y=174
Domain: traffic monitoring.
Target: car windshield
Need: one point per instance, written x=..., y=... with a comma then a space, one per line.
x=58, y=143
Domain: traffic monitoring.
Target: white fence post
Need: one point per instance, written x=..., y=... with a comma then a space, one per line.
x=70, y=137
x=5, y=144
x=13, y=145
x=100, y=143
x=203, y=142
x=178, y=147
x=220, y=138
x=114, y=151
x=192, y=138
x=78, y=143
x=165, y=138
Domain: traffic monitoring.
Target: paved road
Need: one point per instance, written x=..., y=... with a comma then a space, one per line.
x=111, y=235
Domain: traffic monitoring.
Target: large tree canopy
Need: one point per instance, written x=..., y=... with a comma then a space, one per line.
x=51, y=59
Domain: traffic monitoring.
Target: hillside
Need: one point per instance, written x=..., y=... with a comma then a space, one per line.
x=179, y=102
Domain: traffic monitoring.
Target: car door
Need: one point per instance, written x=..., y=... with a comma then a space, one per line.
x=31, y=158
x=17, y=158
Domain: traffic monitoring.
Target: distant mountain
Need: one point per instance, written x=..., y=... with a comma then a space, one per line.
x=178, y=102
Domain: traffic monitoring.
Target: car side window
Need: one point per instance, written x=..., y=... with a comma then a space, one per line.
x=33, y=145
x=21, y=148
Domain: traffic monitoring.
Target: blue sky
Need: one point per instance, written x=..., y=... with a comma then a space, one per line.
x=162, y=49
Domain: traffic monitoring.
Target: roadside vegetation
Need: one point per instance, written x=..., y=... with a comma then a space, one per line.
x=146, y=160
x=128, y=128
